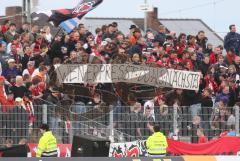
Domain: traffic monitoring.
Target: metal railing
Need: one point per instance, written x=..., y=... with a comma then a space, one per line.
x=117, y=123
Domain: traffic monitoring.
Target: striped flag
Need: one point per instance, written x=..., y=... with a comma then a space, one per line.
x=70, y=24
x=62, y=15
x=59, y=16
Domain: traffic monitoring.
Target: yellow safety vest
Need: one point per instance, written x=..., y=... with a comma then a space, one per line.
x=47, y=146
x=157, y=144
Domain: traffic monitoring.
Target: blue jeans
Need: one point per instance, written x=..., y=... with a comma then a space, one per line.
x=78, y=109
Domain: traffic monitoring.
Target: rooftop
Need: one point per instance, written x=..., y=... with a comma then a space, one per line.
x=188, y=26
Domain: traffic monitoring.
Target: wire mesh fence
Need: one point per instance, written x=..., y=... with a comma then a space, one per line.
x=118, y=123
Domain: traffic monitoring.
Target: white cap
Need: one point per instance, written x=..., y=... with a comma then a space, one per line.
x=18, y=99
x=11, y=61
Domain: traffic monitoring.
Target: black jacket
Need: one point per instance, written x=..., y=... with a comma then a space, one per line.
x=160, y=37
x=202, y=43
x=232, y=41
x=204, y=68
x=136, y=49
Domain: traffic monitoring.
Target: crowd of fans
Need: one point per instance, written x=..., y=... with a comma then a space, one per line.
x=29, y=54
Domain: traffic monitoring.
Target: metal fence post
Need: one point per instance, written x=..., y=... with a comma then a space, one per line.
x=111, y=130
x=237, y=120
x=44, y=114
x=175, y=117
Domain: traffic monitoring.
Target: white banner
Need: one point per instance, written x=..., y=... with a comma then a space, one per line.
x=128, y=149
x=110, y=73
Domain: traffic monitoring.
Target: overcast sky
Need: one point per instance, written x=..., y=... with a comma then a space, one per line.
x=218, y=14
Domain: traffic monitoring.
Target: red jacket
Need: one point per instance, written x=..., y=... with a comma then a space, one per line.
x=211, y=84
x=213, y=58
x=180, y=48
x=4, y=29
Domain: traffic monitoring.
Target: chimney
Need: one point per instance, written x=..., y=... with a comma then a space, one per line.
x=152, y=19
x=14, y=14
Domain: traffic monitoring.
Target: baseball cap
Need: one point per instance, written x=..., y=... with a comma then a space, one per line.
x=18, y=99
x=133, y=27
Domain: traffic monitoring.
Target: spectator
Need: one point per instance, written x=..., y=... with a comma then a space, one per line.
x=10, y=101
x=19, y=89
x=54, y=103
x=149, y=40
x=26, y=57
x=161, y=36
x=204, y=65
x=207, y=103
x=219, y=117
x=181, y=44
x=110, y=33
x=11, y=72
x=135, y=37
x=24, y=28
x=191, y=43
x=147, y=122
x=37, y=89
x=48, y=35
x=6, y=26
x=136, y=59
x=177, y=94
x=231, y=121
x=34, y=31
x=30, y=68
x=17, y=43
x=162, y=114
x=19, y=121
x=236, y=63
x=232, y=40
x=209, y=49
x=115, y=26
x=36, y=45
x=28, y=106
x=193, y=99
x=3, y=98
x=3, y=54
x=9, y=35
x=26, y=39
x=40, y=73
x=139, y=47
x=223, y=96
x=132, y=29
x=229, y=59
x=193, y=127
x=202, y=40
